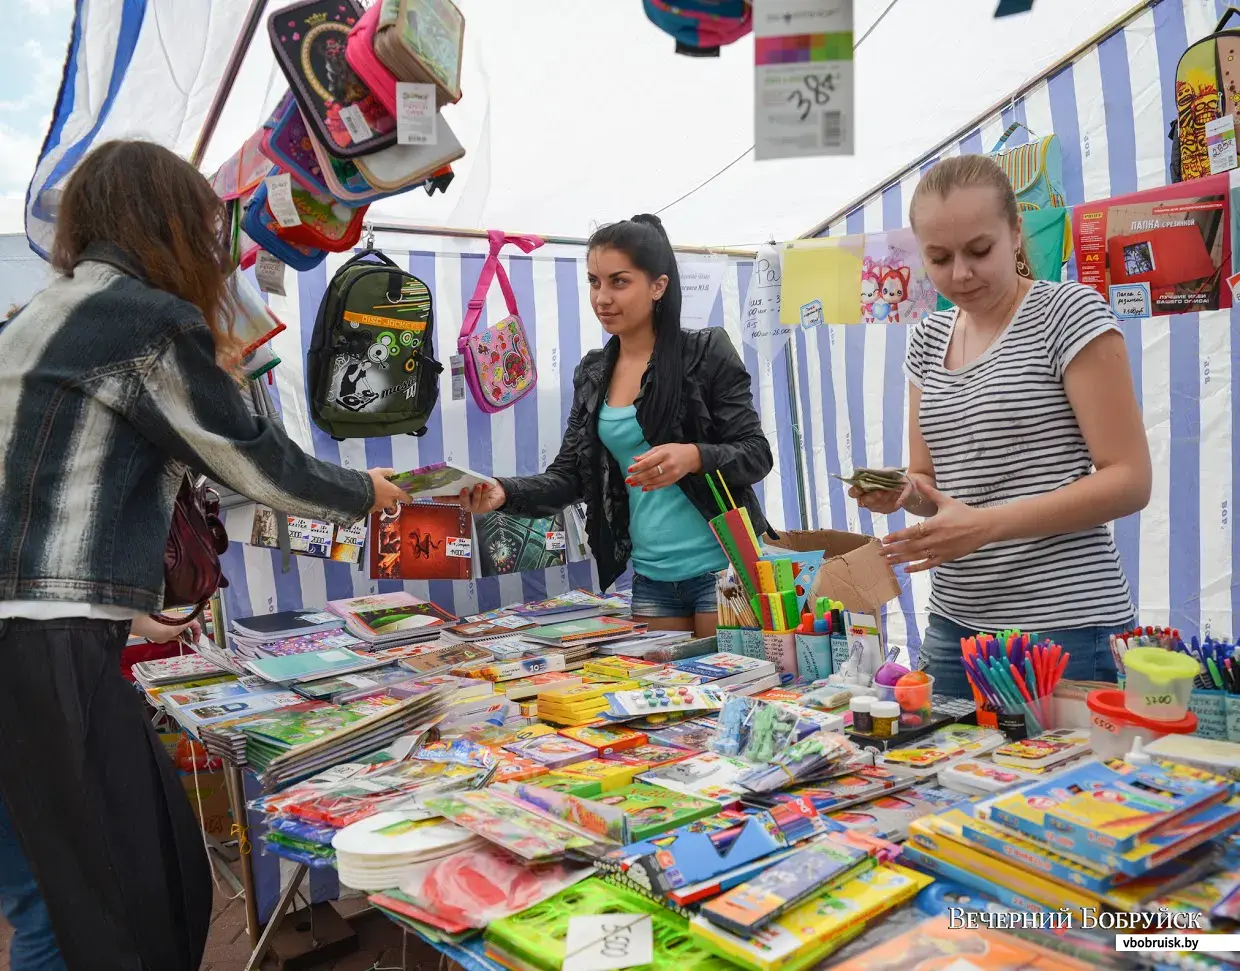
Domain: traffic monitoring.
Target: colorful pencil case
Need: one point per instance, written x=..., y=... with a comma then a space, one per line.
x=402, y=166
x=287, y=143
x=361, y=56
x=325, y=223
x=261, y=226
x=344, y=180
x=309, y=40
x=422, y=40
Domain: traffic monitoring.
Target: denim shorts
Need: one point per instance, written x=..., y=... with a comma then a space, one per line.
x=674, y=598
x=1088, y=650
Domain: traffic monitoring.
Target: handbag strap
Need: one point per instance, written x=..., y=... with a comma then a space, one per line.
x=492, y=268
x=1011, y=130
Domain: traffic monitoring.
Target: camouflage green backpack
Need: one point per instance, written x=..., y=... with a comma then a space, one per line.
x=371, y=368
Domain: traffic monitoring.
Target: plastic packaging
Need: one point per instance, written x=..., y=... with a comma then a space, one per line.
x=862, y=716
x=1113, y=728
x=1158, y=682
x=886, y=719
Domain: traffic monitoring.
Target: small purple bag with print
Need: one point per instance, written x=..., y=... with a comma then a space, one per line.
x=499, y=365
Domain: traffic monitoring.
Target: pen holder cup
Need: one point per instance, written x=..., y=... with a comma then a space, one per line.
x=752, y=643
x=1158, y=683
x=731, y=640
x=914, y=693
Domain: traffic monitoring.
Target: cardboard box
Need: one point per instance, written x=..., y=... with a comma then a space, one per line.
x=209, y=789
x=854, y=571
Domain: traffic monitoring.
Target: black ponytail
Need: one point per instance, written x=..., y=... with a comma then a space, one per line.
x=644, y=241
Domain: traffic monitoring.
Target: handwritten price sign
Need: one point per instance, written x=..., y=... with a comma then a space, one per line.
x=608, y=942
x=803, y=78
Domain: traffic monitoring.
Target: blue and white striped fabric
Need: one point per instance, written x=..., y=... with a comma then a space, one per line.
x=1111, y=110
x=552, y=294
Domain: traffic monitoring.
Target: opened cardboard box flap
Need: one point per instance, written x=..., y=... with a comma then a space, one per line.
x=854, y=571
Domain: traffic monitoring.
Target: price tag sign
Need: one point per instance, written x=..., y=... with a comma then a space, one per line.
x=459, y=547
x=351, y=534
x=803, y=78
x=457, y=365
x=280, y=200
x=608, y=942
x=557, y=540
x=355, y=124
x=415, y=114
x=269, y=272
x=1221, y=144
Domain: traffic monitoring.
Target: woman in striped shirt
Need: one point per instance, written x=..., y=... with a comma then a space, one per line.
x=1025, y=439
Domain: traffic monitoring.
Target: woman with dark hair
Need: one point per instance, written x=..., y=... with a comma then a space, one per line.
x=654, y=412
x=113, y=382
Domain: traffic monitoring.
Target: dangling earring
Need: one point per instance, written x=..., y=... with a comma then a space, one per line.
x=1022, y=267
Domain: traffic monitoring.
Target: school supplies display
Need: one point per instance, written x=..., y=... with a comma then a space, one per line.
x=381, y=851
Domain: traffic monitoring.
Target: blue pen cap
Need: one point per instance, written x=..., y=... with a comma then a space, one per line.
x=820, y=627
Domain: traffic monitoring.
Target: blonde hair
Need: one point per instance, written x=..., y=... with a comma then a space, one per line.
x=965, y=171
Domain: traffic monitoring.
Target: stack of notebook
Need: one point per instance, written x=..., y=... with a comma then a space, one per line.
x=175, y=670
x=285, y=623
x=301, y=741
x=290, y=668
x=386, y=619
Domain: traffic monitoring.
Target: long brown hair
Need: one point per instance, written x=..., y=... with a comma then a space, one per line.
x=156, y=208
x=963, y=171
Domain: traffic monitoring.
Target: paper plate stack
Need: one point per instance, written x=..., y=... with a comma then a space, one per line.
x=378, y=852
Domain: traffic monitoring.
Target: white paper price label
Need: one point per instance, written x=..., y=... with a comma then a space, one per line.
x=557, y=540
x=459, y=547
x=355, y=124
x=269, y=271
x=416, y=119
x=280, y=200
x=1221, y=144
x=457, y=365
x=608, y=942
x=351, y=534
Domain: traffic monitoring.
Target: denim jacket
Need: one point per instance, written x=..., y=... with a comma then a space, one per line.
x=109, y=391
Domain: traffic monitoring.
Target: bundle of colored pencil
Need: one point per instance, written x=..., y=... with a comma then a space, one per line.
x=1010, y=673
x=734, y=530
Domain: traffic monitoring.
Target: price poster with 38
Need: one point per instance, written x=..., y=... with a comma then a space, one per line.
x=803, y=78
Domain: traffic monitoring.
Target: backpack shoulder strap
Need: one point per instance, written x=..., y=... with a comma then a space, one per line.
x=492, y=269
x=1009, y=132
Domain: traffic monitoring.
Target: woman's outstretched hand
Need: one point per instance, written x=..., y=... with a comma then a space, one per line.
x=663, y=465
x=483, y=498
x=387, y=495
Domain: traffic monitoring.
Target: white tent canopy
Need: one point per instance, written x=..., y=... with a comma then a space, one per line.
x=578, y=111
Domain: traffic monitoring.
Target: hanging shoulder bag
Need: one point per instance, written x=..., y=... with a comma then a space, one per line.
x=196, y=540
x=499, y=365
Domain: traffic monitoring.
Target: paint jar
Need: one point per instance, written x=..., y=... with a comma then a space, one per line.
x=885, y=719
x=862, y=719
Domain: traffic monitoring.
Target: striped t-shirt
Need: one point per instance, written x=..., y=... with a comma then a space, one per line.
x=999, y=429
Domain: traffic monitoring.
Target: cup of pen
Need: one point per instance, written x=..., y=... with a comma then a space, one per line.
x=1014, y=685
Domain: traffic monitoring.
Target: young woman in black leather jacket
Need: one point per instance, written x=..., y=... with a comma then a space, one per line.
x=655, y=411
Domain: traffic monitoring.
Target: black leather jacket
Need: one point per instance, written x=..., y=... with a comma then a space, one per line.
x=715, y=412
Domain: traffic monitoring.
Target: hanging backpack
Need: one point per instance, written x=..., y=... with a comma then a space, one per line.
x=371, y=369
x=1207, y=87
x=701, y=27
x=499, y=366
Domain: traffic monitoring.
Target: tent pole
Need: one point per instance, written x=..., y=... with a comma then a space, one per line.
x=1112, y=28
x=554, y=240
x=242, y=45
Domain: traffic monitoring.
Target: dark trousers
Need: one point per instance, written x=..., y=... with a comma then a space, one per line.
x=95, y=803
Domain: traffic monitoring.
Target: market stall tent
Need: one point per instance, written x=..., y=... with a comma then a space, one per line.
x=575, y=111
